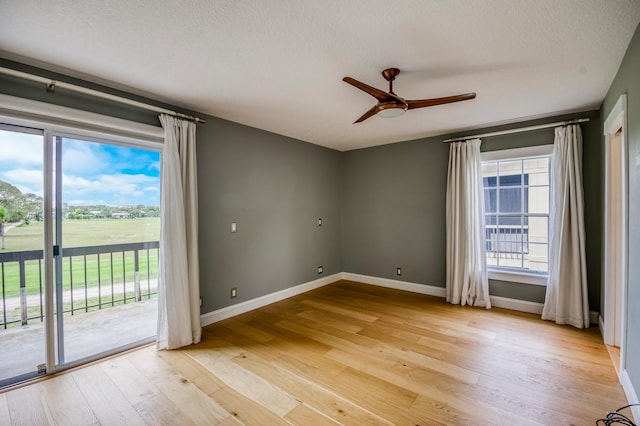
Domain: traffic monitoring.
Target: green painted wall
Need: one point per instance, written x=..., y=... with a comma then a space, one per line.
x=628, y=81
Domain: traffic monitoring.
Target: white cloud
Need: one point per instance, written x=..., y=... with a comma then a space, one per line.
x=119, y=188
x=82, y=157
x=20, y=149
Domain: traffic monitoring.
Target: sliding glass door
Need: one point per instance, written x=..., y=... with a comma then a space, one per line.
x=107, y=233
x=80, y=232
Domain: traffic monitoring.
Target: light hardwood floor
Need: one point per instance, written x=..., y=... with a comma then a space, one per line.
x=346, y=353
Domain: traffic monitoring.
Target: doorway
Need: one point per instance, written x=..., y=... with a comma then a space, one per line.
x=615, y=250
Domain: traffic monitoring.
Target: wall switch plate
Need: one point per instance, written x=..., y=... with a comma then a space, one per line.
x=234, y=227
x=319, y=221
x=319, y=269
x=398, y=271
x=234, y=292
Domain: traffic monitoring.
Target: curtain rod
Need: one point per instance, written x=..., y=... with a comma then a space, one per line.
x=521, y=129
x=52, y=84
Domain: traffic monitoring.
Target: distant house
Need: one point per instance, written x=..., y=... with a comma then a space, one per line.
x=121, y=215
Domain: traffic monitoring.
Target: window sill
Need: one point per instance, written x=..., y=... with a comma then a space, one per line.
x=517, y=277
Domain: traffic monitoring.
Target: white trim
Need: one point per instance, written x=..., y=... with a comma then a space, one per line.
x=430, y=290
x=517, y=153
x=398, y=285
x=517, y=277
x=30, y=113
x=516, y=305
x=630, y=392
x=249, y=305
x=601, y=324
x=617, y=119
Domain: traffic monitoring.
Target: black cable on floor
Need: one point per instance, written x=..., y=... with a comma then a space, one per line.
x=617, y=418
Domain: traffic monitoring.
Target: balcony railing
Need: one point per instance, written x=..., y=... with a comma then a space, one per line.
x=95, y=277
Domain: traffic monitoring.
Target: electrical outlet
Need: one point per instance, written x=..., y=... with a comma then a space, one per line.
x=319, y=269
x=398, y=271
x=234, y=227
x=234, y=292
x=320, y=221
x=201, y=302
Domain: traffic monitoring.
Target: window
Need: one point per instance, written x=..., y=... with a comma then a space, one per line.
x=516, y=202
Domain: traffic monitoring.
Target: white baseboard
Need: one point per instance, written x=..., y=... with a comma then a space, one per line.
x=630, y=392
x=601, y=325
x=250, y=305
x=531, y=307
x=398, y=285
x=516, y=305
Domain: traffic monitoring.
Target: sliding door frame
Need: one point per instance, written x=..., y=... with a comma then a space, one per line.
x=56, y=121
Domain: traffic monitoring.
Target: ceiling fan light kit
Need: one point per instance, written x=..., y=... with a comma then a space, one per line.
x=391, y=110
x=391, y=105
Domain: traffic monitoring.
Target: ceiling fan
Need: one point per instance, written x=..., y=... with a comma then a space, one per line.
x=391, y=105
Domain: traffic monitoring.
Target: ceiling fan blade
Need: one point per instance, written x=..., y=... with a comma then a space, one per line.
x=421, y=103
x=376, y=93
x=367, y=114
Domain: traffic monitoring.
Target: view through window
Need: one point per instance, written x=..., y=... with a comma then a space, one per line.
x=516, y=202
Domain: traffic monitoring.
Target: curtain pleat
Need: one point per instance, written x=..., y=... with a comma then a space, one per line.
x=178, y=272
x=466, y=263
x=566, y=299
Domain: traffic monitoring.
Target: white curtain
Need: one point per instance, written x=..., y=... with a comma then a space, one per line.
x=466, y=278
x=178, y=274
x=566, y=300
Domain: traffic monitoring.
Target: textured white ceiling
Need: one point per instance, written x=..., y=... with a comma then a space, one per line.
x=278, y=64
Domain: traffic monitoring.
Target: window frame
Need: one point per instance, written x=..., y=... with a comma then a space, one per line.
x=509, y=274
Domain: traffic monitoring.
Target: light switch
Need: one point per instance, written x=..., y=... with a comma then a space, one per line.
x=320, y=222
x=234, y=227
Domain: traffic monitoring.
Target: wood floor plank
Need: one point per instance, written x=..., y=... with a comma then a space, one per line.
x=245, y=410
x=5, y=418
x=305, y=415
x=312, y=393
x=135, y=387
x=243, y=381
x=192, y=371
x=191, y=401
x=379, y=349
x=105, y=399
x=383, y=400
x=332, y=308
x=65, y=403
x=26, y=406
x=159, y=410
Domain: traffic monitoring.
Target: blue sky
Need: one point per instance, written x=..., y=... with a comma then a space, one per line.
x=93, y=173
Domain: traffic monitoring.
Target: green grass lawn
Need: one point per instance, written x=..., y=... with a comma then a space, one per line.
x=82, y=233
